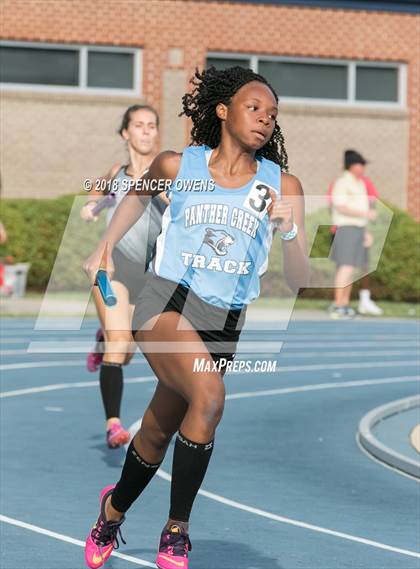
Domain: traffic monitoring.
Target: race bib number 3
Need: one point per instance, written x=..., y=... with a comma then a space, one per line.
x=258, y=199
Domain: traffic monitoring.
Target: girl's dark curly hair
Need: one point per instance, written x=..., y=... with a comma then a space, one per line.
x=213, y=86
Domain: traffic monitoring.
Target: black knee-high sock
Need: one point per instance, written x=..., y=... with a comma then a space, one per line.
x=111, y=383
x=189, y=467
x=135, y=476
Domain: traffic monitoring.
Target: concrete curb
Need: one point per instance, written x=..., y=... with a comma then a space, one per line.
x=378, y=449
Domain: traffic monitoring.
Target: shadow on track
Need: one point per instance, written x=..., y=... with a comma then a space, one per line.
x=216, y=554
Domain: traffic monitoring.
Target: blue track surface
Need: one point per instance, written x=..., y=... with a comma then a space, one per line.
x=288, y=486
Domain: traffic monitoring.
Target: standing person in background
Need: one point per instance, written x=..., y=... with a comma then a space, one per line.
x=351, y=213
x=366, y=305
x=139, y=129
x=3, y=239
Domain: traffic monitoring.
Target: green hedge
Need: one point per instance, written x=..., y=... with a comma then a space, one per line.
x=398, y=274
x=35, y=232
x=36, y=229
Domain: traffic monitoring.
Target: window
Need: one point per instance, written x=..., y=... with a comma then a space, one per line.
x=312, y=80
x=39, y=66
x=321, y=81
x=376, y=84
x=71, y=68
x=110, y=70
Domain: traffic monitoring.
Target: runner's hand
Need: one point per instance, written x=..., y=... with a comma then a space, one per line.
x=86, y=213
x=367, y=240
x=281, y=213
x=101, y=258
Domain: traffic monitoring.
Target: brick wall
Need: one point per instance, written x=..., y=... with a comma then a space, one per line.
x=192, y=28
x=316, y=137
x=51, y=143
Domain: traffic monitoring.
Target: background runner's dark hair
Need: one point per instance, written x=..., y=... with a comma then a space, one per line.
x=213, y=86
x=127, y=115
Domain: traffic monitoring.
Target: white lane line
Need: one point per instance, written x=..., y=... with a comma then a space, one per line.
x=240, y=395
x=343, y=335
x=367, y=344
x=14, y=323
x=245, y=344
x=59, y=386
x=284, y=354
x=29, y=365
x=297, y=523
x=282, y=519
x=281, y=335
x=320, y=354
x=13, y=352
x=10, y=341
x=321, y=386
x=55, y=363
x=291, y=336
x=75, y=346
x=38, y=333
x=67, y=539
x=356, y=365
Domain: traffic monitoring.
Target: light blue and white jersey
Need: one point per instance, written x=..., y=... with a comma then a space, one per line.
x=216, y=240
x=139, y=241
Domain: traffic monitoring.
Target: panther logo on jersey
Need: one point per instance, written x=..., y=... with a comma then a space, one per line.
x=218, y=240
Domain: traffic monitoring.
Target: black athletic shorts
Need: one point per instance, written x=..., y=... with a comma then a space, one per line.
x=132, y=275
x=218, y=328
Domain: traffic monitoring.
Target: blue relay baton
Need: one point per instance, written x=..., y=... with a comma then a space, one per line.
x=105, y=288
x=104, y=203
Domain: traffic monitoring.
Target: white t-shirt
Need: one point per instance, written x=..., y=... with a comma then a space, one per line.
x=351, y=192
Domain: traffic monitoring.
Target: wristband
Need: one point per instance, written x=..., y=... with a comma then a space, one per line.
x=289, y=235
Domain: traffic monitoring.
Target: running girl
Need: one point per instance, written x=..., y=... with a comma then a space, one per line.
x=209, y=255
x=139, y=129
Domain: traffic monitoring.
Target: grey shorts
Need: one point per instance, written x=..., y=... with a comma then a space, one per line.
x=131, y=275
x=348, y=248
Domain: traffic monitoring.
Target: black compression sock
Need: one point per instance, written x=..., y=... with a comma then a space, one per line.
x=111, y=383
x=135, y=476
x=189, y=467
